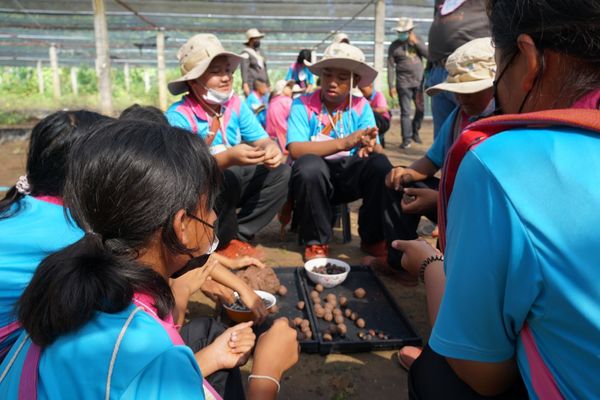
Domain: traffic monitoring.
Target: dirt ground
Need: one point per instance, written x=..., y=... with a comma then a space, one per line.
x=374, y=375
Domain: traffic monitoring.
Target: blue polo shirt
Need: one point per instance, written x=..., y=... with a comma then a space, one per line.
x=521, y=248
x=443, y=141
x=39, y=229
x=148, y=364
x=239, y=121
x=308, y=118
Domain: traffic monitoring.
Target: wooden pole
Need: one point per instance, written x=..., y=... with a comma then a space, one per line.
x=127, y=77
x=55, y=76
x=162, y=77
x=40, y=77
x=379, y=39
x=146, y=80
x=102, y=58
x=74, y=85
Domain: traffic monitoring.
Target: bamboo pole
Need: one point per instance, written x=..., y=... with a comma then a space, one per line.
x=162, y=77
x=102, y=57
x=40, y=77
x=55, y=76
x=379, y=39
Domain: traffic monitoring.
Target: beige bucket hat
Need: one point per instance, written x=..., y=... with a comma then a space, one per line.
x=471, y=68
x=194, y=58
x=280, y=85
x=341, y=37
x=404, y=25
x=348, y=57
x=253, y=33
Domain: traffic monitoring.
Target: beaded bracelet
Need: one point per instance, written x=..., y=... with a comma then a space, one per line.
x=269, y=378
x=425, y=264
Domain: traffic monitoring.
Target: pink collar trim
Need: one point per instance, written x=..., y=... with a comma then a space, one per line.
x=147, y=303
x=590, y=100
x=50, y=199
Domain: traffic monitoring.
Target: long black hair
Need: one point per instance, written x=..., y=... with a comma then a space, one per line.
x=49, y=146
x=126, y=181
x=570, y=28
x=304, y=54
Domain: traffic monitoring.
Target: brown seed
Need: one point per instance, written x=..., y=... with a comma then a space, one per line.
x=314, y=294
x=372, y=332
x=282, y=291
x=339, y=319
x=329, y=307
x=360, y=293
x=328, y=316
x=316, y=300
x=305, y=324
x=343, y=301
x=297, y=321
x=274, y=309
x=360, y=323
x=300, y=305
x=337, y=312
x=331, y=298
x=319, y=288
x=354, y=316
x=320, y=312
x=307, y=334
x=347, y=313
x=327, y=337
x=342, y=329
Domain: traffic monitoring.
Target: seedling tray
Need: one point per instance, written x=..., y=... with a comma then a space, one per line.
x=377, y=308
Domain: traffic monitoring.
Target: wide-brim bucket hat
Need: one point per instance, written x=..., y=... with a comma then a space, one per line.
x=471, y=69
x=194, y=58
x=404, y=25
x=253, y=33
x=347, y=57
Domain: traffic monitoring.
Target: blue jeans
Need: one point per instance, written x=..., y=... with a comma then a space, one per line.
x=443, y=103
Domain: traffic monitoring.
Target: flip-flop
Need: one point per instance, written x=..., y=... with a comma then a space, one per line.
x=407, y=356
x=399, y=274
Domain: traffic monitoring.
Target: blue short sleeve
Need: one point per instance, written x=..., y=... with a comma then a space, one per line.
x=174, y=374
x=367, y=118
x=442, y=143
x=289, y=76
x=250, y=128
x=310, y=77
x=298, y=124
x=178, y=120
x=492, y=272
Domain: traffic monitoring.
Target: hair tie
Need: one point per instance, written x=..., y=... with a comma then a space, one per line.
x=22, y=185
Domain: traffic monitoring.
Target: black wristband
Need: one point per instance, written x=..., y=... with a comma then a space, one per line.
x=425, y=264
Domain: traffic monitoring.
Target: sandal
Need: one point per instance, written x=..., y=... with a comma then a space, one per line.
x=407, y=356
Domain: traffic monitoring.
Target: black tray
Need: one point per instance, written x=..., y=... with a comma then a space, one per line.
x=287, y=308
x=378, y=309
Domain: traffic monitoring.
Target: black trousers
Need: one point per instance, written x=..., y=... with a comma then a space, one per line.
x=257, y=192
x=405, y=226
x=317, y=183
x=406, y=97
x=199, y=333
x=431, y=377
x=383, y=125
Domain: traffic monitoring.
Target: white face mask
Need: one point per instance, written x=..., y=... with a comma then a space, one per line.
x=213, y=96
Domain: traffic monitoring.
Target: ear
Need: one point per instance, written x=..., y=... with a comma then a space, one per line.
x=531, y=60
x=181, y=227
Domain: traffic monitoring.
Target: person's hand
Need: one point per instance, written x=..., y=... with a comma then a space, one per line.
x=414, y=253
x=412, y=38
x=393, y=92
x=419, y=201
x=190, y=282
x=359, y=138
x=277, y=350
x=232, y=348
x=273, y=155
x=255, y=304
x=243, y=262
x=218, y=292
x=398, y=177
x=244, y=154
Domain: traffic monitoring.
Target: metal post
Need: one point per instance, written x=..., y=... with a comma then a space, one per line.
x=379, y=38
x=55, y=76
x=102, y=57
x=127, y=77
x=40, y=77
x=74, y=85
x=146, y=80
x=162, y=78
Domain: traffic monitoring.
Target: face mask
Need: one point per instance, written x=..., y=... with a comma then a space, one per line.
x=403, y=36
x=256, y=44
x=215, y=97
x=498, y=109
x=197, y=262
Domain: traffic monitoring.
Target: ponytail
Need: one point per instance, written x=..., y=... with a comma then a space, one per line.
x=13, y=196
x=71, y=285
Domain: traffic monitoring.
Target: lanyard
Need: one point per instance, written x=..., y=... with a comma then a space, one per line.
x=333, y=122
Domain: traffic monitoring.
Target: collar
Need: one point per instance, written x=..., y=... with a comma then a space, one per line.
x=590, y=100
x=197, y=108
x=50, y=199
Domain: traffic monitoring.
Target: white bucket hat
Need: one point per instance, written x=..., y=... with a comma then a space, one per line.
x=253, y=33
x=341, y=37
x=194, y=58
x=347, y=57
x=471, y=68
x=404, y=25
x=280, y=85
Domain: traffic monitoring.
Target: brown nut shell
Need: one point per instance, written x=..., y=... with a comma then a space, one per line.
x=360, y=293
